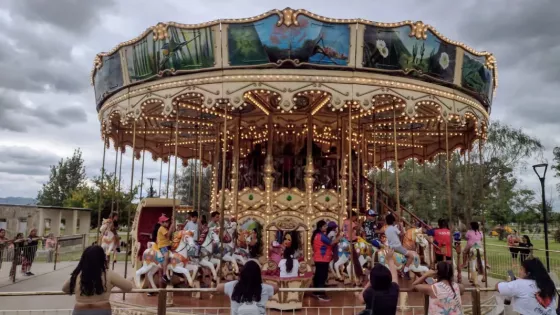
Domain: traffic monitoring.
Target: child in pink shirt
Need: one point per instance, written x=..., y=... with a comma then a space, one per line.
x=474, y=236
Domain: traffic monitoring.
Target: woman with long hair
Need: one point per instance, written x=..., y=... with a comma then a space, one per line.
x=91, y=282
x=18, y=244
x=533, y=292
x=526, y=248
x=249, y=294
x=29, y=251
x=289, y=267
x=50, y=246
x=322, y=256
x=444, y=295
x=381, y=293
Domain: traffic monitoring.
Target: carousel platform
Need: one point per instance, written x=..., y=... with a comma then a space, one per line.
x=341, y=303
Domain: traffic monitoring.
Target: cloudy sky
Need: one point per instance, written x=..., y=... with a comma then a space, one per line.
x=47, y=105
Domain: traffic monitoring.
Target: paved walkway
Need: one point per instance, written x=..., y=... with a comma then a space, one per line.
x=48, y=280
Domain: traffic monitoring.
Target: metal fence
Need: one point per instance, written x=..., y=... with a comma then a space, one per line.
x=165, y=297
x=24, y=257
x=501, y=259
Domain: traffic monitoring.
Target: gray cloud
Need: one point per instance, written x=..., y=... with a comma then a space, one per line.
x=16, y=116
x=46, y=64
x=68, y=15
x=25, y=160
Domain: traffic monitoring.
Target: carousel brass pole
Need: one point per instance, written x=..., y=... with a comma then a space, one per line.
x=130, y=205
x=398, y=207
x=448, y=181
x=199, y=175
x=223, y=192
x=195, y=170
x=375, y=173
x=160, y=172
x=118, y=197
x=168, y=166
x=339, y=167
x=481, y=158
x=358, y=177
x=142, y=170
x=117, y=146
x=174, y=214
x=413, y=170
x=350, y=199
x=100, y=207
x=342, y=175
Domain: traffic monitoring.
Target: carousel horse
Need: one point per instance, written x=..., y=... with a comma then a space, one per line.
x=476, y=263
x=179, y=259
x=230, y=255
x=244, y=241
x=210, y=252
x=343, y=255
x=108, y=239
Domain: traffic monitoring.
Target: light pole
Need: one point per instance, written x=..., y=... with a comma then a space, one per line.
x=541, y=168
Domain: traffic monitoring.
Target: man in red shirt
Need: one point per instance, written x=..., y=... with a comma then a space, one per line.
x=442, y=238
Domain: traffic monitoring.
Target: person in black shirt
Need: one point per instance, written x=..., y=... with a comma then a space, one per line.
x=29, y=251
x=526, y=249
x=381, y=294
x=370, y=226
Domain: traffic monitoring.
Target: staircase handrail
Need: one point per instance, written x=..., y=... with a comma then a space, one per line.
x=427, y=226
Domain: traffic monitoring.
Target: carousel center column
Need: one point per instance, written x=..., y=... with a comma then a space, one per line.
x=235, y=170
x=309, y=179
x=268, y=179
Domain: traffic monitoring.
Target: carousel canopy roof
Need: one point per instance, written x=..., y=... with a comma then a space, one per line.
x=394, y=82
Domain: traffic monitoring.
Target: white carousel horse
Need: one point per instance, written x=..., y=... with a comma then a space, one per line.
x=242, y=253
x=209, y=252
x=343, y=255
x=400, y=261
x=422, y=241
x=476, y=263
x=179, y=260
x=230, y=254
x=108, y=239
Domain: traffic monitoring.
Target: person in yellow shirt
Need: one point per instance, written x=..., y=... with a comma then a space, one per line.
x=164, y=241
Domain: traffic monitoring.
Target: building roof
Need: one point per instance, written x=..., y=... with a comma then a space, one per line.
x=45, y=207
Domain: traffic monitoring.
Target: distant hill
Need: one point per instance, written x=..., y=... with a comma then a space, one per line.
x=18, y=201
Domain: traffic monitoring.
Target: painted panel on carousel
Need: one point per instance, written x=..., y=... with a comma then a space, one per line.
x=182, y=49
x=285, y=239
x=393, y=49
x=109, y=77
x=476, y=76
x=310, y=41
x=249, y=239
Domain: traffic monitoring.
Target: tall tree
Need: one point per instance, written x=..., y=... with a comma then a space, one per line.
x=423, y=188
x=65, y=177
x=188, y=185
x=87, y=196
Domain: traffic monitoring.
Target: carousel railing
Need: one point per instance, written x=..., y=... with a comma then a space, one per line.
x=478, y=305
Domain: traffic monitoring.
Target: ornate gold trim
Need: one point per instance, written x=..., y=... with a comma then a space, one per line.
x=289, y=16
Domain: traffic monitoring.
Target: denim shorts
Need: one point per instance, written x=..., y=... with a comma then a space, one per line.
x=400, y=250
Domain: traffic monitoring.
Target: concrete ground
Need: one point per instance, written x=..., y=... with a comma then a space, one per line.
x=45, y=280
x=50, y=280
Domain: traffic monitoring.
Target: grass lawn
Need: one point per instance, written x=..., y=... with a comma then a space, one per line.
x=499, y=257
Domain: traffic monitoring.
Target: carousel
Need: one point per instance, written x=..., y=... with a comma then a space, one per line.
x=293, y=113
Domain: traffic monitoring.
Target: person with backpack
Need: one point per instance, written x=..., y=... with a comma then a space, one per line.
x=248, y=295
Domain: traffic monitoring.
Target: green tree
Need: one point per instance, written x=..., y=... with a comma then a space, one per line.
x=189, y=182
x=65, y=177
x=88, y=196
x=423, y=188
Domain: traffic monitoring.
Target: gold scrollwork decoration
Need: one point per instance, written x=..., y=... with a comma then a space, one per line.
x=418, y=30
x=490, y=62
x=160, y=31
x=288, y=17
